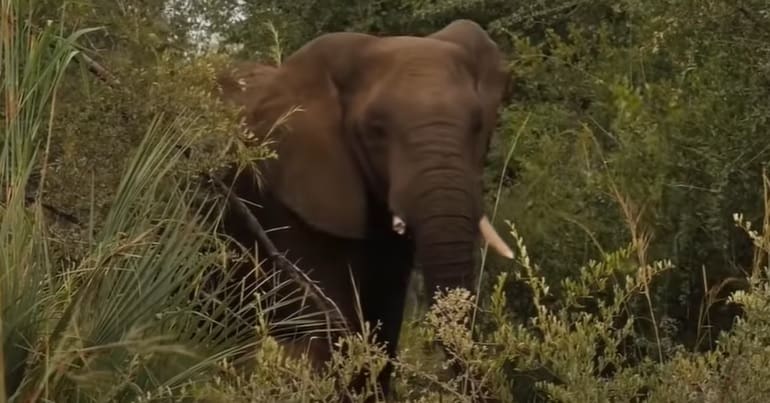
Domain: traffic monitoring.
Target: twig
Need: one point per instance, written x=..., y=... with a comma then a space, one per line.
x=97, y=69
x=53, y=210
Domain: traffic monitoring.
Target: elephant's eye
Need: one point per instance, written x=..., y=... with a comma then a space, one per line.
x=476, y=122
x=374, y=125
x=376, y=129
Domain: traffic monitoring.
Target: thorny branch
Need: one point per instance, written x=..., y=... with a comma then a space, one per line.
x=277, y=258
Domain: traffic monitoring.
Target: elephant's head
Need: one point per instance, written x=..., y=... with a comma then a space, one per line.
x=402, y=122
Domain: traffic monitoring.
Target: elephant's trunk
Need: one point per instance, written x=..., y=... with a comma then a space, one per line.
x=446, y=231
x=446, y=259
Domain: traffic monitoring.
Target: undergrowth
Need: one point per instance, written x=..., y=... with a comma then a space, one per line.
x=577, y=349
x=119, y=320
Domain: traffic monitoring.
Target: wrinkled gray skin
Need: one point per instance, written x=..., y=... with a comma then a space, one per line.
x=390, y=126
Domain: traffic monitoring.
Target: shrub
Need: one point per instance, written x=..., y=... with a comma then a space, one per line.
x=635, y=132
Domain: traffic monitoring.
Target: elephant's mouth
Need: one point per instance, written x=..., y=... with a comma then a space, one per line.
x=488, y=233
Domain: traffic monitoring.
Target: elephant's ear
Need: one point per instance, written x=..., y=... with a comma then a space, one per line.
x=300, y=108
x=487, y=64
x=244, y=83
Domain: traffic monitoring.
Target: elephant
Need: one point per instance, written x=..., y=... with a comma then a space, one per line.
x=381, y=143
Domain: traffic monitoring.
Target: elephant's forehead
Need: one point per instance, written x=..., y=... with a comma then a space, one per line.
x=396, y=61
x=403, y=47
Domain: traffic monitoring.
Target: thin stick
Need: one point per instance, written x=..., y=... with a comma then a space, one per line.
x=97, y=69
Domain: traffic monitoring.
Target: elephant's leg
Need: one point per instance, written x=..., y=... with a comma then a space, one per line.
x=325, y=259
x=385, y=282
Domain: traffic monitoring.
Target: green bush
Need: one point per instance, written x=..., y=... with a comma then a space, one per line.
x=629, y=161
x=646, y=127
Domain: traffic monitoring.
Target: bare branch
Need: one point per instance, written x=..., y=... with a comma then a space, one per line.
x=277, y=258
x=97, y=69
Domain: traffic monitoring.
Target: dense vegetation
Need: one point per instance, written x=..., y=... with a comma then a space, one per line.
x=628, y=169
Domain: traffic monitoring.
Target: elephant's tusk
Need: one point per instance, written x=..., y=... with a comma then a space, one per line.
x=399, y=225
x=494, y=239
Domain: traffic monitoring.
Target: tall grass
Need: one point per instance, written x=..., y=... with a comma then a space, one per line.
x=32, y=65
x=124, y=321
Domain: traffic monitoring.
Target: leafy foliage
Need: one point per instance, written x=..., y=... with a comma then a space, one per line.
x=630, y=156
x=651, y=134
